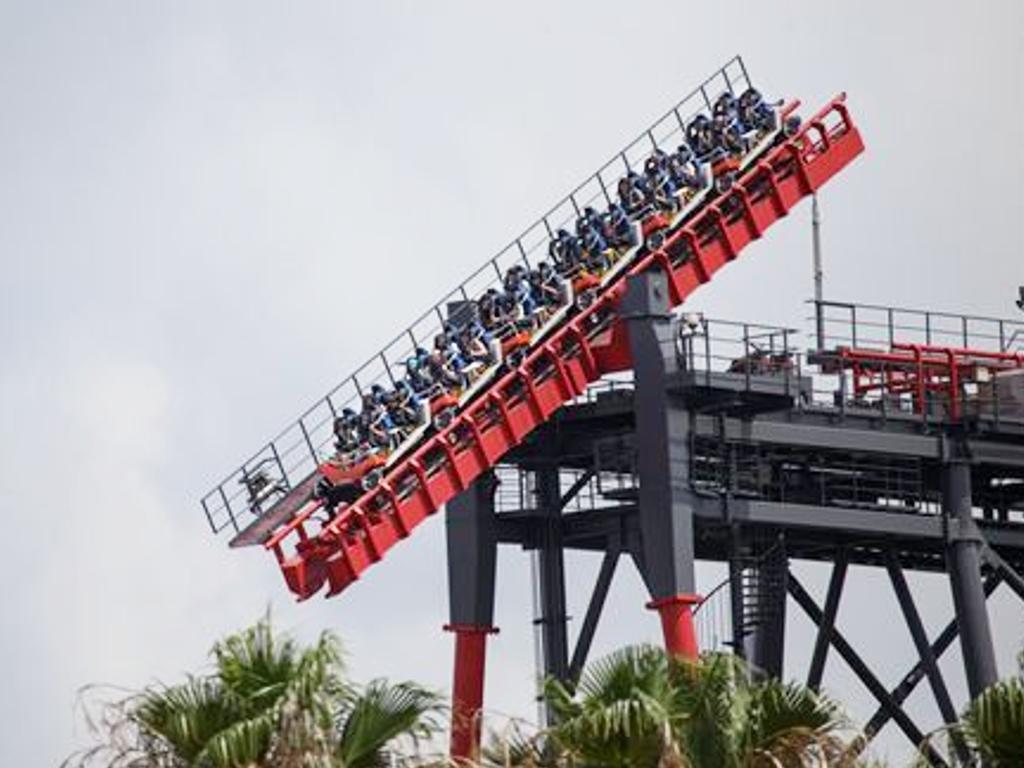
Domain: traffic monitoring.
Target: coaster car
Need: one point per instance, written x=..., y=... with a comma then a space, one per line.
x=445, y=403
x=362, y=467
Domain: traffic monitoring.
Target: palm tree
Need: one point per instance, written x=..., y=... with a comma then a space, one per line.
x=638, y=707
x=267, y=702
x=992, y=727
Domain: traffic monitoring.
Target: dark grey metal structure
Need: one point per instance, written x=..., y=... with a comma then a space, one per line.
x=732, y=444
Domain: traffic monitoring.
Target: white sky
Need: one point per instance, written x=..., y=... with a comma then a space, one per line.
x=209, y=213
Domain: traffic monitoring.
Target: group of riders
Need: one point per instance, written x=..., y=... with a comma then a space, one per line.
x=471, y=342
x=466, y=346
x=667, y=181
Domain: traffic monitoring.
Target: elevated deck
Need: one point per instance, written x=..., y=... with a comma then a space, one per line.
x=779, y=448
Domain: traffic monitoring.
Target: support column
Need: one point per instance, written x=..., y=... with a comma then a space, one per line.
x=553, y=618
x=663, y=463
x=963, y=556
x=472, y=556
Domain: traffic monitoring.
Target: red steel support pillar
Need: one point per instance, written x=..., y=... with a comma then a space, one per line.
x=472, y=554
x=666, y=554
x=677, y=624
x=468, y=690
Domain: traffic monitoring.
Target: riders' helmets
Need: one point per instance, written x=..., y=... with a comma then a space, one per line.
x=751, y=98
x=696, y=129
x=724, y=104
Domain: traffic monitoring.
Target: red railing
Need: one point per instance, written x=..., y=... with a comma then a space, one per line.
x=921, y=370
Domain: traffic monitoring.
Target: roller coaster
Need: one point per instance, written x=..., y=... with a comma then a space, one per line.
x=734, y=152
x=425, y=421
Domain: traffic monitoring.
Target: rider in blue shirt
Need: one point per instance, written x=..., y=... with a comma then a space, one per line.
x=404, y=406
x=547, y=286
x=660, y=181
x=622, y=233
x=754, y=112
x=634, y=194
x=346, y=431
x=685, y=169
x=565, y=251
x=517, y=288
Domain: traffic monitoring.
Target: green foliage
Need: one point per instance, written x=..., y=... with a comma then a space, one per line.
x=380, y=714
x=990, y=732
x=994, y=724
x=268, y=702
x=637, y=707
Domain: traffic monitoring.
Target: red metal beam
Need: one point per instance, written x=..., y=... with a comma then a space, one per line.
x=677, y=625
x=468, y=691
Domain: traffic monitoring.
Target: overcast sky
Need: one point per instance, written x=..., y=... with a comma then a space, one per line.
x=211, y=212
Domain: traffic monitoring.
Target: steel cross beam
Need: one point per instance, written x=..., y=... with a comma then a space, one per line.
x=821, y=643
x=863, y=672
x=909, y=682
x=594, y=608
x=575, y=488
x=1013, y=579
x=920, y=637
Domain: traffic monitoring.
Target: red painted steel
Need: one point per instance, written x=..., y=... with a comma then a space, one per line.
x=919, y=369
x=590, y=344
x=677, y=624
x=468, y=691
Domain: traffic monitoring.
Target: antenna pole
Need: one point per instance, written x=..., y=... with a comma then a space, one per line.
x=819, y=316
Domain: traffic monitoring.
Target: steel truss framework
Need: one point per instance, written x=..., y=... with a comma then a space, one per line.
x=742, y=466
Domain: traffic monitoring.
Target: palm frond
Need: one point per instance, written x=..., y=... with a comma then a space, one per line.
x=184, y=716
x=994, y=724
x=380, y=714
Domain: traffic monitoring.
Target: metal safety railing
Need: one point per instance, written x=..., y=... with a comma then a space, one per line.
x=933, y=366
x=706, y=346
x=874, y=326
x=295, y=453
x=713, y=620
x=828, y=478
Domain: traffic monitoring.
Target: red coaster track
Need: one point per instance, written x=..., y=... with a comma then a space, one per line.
x=587, y=346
